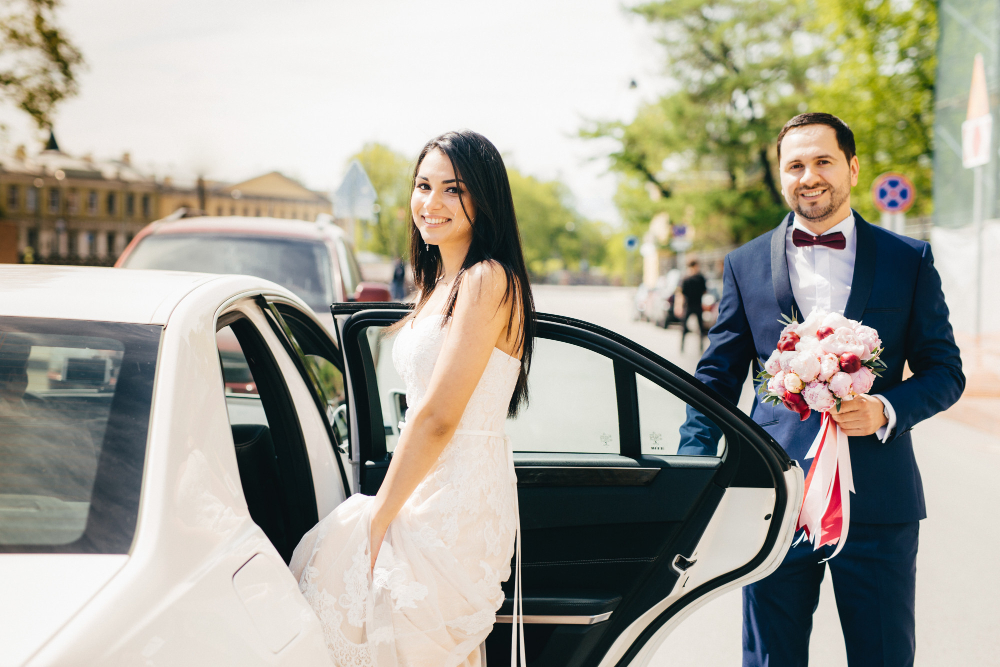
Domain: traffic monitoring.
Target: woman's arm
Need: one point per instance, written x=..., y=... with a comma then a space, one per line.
x=480, y=318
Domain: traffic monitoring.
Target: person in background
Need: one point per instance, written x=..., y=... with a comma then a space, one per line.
x=693, y=287
x=398, y=286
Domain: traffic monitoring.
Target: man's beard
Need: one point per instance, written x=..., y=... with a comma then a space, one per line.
x=837, y=198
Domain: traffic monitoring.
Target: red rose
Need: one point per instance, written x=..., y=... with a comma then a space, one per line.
x=788, y=341
x=823, y=332
x=850, y=362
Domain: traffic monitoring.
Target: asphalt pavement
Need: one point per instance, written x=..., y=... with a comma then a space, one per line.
x=958, y=580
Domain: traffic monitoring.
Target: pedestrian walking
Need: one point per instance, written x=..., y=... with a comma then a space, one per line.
x=825, y=257
x=693, y=288
x=398, y=285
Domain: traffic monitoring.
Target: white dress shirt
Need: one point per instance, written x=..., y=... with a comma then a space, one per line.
x=821, y=278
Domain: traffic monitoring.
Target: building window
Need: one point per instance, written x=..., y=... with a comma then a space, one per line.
x=145, y=206
x=71, y=201
x=33, y=238
x=32, y=201
x=218, y=211
x=72, y=242
x=130, y=205
x=13, y=197
x=92, y=202
x=112, y=203
x=111, y=243
x=232, y=210
x=53, y=200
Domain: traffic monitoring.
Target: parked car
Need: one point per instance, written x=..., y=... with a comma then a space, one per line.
x=152, y=517
x=316, y=261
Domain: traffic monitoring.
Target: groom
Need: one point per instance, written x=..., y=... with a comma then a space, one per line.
x=824, y=255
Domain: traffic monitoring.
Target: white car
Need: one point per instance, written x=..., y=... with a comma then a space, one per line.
x=148, y=510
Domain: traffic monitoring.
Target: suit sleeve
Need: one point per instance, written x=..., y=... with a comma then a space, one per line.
x=724, y=367
x=937, y=381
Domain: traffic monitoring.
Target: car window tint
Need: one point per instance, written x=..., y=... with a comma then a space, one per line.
x=572, y=404
x=661, y=416
x=300, y=265
x=74, y=407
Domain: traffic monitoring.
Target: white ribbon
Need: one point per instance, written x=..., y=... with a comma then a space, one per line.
x=831, y=460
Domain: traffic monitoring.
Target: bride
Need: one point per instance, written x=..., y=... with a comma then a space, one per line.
x=412, y=576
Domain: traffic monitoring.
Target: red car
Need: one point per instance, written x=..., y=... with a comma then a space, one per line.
x=314, y=260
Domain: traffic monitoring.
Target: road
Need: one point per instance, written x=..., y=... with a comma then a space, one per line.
x=958, y=581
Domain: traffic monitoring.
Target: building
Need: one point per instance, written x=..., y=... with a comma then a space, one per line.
x=63, y=209
x=59, y=209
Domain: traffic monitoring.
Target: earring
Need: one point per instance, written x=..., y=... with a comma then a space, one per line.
x=427, y=247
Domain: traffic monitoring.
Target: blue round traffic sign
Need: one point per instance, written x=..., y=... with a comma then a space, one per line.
x=893, y=193
x=631, y=242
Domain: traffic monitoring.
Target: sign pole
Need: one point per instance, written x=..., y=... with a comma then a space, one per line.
x=977, y=221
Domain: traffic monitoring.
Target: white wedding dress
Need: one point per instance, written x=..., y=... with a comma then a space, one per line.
x=435, y=590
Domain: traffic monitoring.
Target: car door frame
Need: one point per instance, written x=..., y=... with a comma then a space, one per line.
x=781, y=473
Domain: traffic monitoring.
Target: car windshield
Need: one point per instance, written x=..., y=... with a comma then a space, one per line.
x=302, y=266
x=75, y=398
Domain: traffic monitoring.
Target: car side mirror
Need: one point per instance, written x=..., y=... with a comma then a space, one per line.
x=372, y=292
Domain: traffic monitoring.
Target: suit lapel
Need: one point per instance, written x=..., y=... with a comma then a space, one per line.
x=864, y=270
x=779, y=269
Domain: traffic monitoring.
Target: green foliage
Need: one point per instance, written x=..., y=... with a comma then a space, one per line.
x=390, y=172
x=554, y=235
x=884, y=58
x=40, y=65
x=705, y=151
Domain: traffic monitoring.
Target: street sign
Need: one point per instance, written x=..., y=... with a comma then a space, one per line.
x=681, y=237
x=631, y=242
x=893, y=193
x=977, y=130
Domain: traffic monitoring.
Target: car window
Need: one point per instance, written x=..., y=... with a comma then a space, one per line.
x=661, y=415
x=74, y=408
x=300, y=265
x=572, y=403
x=350, y=271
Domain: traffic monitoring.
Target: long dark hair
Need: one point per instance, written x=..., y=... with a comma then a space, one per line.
x=495, y=238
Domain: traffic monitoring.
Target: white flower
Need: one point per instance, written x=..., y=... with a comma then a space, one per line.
x=836, y=320
x=773, y=364
x=806, y=365
x=869, y=338
x=828, y=366
x=785, y=360
x=811, y=324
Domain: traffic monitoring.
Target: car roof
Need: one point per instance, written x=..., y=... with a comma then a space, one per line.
x=95, y=293
x=246, y=226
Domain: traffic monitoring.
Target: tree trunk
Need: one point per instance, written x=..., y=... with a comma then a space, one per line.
x=772, y=187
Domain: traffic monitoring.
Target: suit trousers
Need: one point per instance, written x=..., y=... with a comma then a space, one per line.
x=874, y=579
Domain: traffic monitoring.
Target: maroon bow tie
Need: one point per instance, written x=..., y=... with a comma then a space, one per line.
x=835, y=241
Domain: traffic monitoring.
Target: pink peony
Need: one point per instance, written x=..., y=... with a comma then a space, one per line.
x=785, y=360
x=862, y=380
x=823, y=332
x=796, y=403
x=829, y=364
x=841, y=386
x=793, y=383
x=788, y=341
x=818, y=397
x=776, y=385
x=773, y=364
x=836, y=320
x=805, y=365
x=789, y=328
x=869, y=338
x=811, y=324
x=842, y=340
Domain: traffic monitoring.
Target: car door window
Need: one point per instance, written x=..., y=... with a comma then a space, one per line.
x=572, y=402
x=661, y=415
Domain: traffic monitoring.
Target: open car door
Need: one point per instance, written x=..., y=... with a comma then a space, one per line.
x=622, y=536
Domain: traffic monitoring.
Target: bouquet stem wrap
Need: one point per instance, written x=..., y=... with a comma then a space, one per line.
x=826, y=505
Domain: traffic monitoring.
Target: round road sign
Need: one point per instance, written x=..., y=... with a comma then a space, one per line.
x=631, y=242
x=893, y=193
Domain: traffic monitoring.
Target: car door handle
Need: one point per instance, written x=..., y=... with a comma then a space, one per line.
x=682, y=564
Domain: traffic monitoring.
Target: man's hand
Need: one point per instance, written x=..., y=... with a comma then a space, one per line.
x=862, y=416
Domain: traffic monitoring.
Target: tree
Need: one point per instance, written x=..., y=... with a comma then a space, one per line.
x=40, y=65
x=883, y=63
x=553, y=234
x=390, y=172
x=741, y=69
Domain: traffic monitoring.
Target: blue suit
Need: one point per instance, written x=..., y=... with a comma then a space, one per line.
x=897, y=291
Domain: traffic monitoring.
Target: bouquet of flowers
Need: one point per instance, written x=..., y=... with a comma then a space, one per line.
x=818, y=364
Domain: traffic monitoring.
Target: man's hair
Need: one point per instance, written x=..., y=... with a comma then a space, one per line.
x=845, y=137
x=692, y=263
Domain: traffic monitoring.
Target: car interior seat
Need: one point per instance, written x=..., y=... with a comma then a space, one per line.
x=262, y=485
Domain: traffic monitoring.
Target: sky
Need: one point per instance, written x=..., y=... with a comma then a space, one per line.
x=235, y=88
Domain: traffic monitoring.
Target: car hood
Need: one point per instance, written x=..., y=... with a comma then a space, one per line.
x=44, y=591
